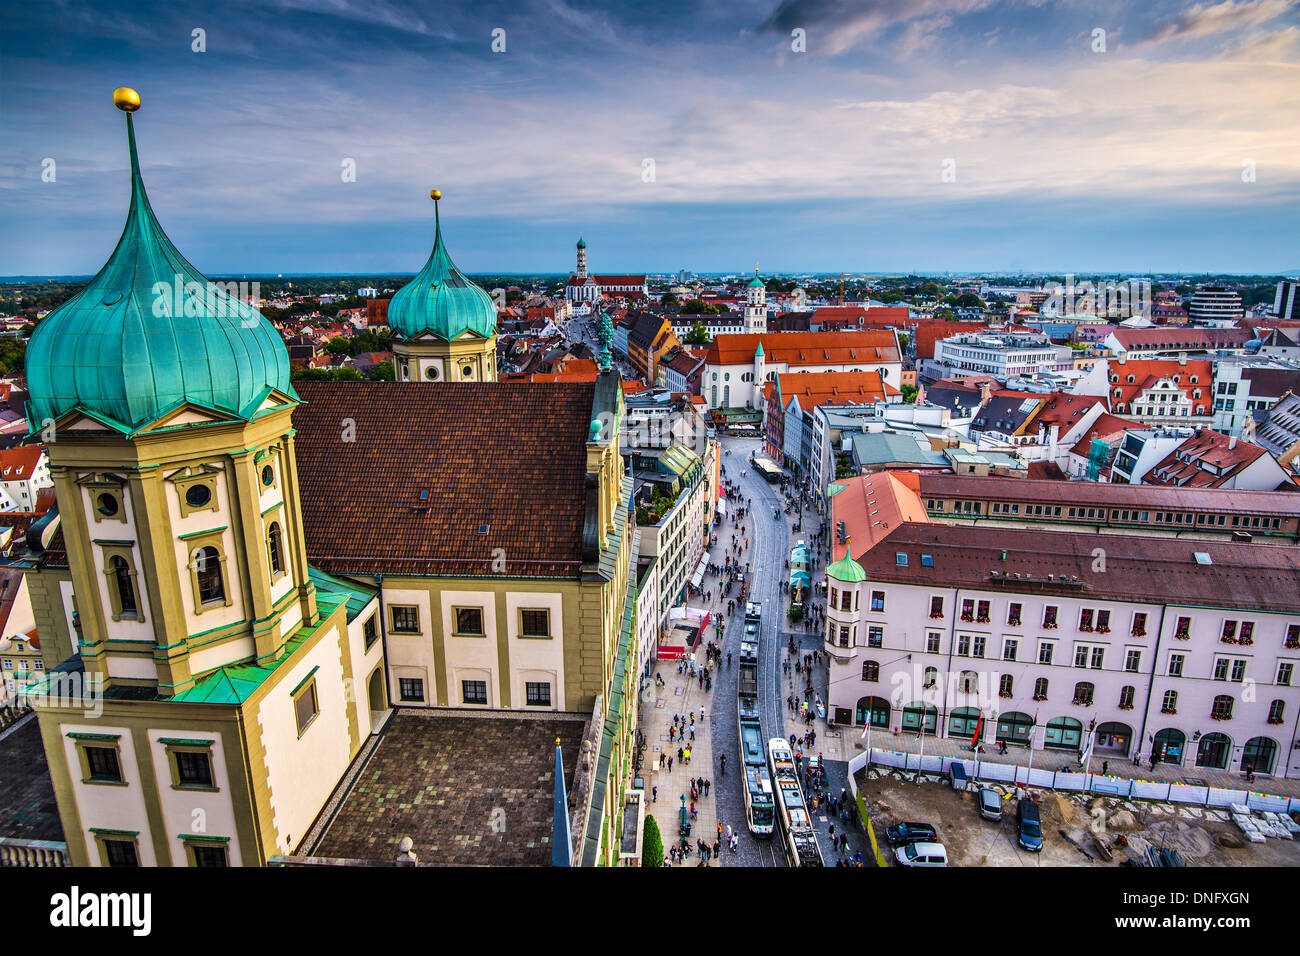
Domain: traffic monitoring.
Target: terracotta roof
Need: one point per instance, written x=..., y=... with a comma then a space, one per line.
x=19, y=463
x=431, y=464
x=1138, y=568
x=1208, y=459
x=1064, y=409
x=1147, y=372
x=1105, y=494
x=1182, y=338
x=817, y=388
x=871, y=506
x=805, y=348
x=926, y=334
x=1107, y=427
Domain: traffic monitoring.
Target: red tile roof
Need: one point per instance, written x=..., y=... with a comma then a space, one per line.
x=1147, y=372
x=818, y=388
x=805, y=348
x=19, y=463
x=1208, y=459
x=432, y=463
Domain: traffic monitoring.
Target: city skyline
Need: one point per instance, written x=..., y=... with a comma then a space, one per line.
x=1134, y=160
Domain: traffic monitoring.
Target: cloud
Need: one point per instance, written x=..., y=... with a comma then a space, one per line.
x=1204, y=19
x=845, y=23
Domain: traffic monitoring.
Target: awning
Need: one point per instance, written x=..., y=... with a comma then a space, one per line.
x=799, y=579
x=698, y=576
x=722, y=507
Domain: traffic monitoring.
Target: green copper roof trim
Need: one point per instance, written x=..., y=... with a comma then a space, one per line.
x=833, y=490
x=305, y=681
x=108, y=353
x=202, y=838
x=81, y=736
x=198, y=534
x=185, y=742
x=440, y=300
x=104, y=831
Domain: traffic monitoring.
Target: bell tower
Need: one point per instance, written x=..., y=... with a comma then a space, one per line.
x=169, y=402
x=756, y=305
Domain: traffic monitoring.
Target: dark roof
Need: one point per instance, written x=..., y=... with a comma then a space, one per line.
x=1271, y=382
x=441, y=779
x=1112, y=495
x=1137, y=568
x=431, y=464
x=1005, y=413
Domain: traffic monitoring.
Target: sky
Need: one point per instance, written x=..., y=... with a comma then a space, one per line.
x=803, y=135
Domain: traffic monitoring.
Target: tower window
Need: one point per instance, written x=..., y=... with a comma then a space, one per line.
x=431, y=373
x=207, y=570
x=107, y=505
x=268, y=475
x=275, y=544
x=121, y=574
x=196, y=496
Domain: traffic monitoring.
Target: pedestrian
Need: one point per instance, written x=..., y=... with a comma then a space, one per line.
x=1105, y=768
x=670, y=764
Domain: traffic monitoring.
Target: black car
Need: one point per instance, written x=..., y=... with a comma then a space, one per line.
x=901, y=834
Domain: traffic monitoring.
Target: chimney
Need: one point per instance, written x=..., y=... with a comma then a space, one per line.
x=1182, y=358
x=1232, y=443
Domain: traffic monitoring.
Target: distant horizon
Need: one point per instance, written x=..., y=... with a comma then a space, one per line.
x=890, y=137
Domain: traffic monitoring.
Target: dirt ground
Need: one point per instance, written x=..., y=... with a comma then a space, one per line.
x=1203, y=837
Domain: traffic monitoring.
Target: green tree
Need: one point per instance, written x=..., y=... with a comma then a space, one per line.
x=652, y=843
x=698, y=335
x=339, y=346
x=383, y=372
x=670, y=298
x=694, y=307
x=909, y=394
x=311, y=375
x=346, y=375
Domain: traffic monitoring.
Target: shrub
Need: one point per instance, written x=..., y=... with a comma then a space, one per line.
x=652, y=844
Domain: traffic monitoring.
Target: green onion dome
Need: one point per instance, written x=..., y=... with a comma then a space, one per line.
x=440, y=300
x=149, y=333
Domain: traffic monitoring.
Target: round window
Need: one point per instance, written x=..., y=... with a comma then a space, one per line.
x=431, y=373
x=268, y=475
x=196, y=496
x=107, y=505
x=466, y=372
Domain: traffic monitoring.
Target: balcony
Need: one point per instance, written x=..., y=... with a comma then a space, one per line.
x=840, y=652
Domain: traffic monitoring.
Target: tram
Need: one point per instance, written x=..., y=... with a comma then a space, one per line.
x=798, y=838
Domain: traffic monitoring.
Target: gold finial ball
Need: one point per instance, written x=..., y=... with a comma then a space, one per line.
x=126, y=99
x=435, y=194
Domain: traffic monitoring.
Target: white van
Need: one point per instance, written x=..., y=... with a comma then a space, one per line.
x=922, y=854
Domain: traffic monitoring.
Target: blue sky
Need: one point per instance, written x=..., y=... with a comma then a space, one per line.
x=1063, y=156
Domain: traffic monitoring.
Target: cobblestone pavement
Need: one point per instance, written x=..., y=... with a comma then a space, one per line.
x=681, y=694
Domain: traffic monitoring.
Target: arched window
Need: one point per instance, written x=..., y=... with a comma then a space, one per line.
x=1276, y=710
x=1040, y=689
x=1083, y=692
x=871, y=670
x=931, y=676
x=1126, y=696
x=207, y=570
x=970, y=682
x=1222, y=708
x=275, y=544
x=125, y=588
x=1170, y=704
x=1004, y=685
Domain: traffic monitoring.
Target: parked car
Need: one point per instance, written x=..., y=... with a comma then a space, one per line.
x=957, y=776
x=990, y=804
x=922, y=854
x=900, y=834
x=1030, y=825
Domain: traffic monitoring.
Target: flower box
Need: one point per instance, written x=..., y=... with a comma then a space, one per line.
x=1168, y=710
x=1220, y=717
x=1292, y=645
x=1040, y=697
x=1275, y=720
x=1246, y=640
x=1183, y=637
x=1001, y=694
x=936, y=617
x=1083, y=702
x=968, y=617
x=1085, y=627
x=1125, y=706
x=1103, y=630
x=1139, y=632
x=981, y=620
x=1049, y=627
x=1013, y=622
